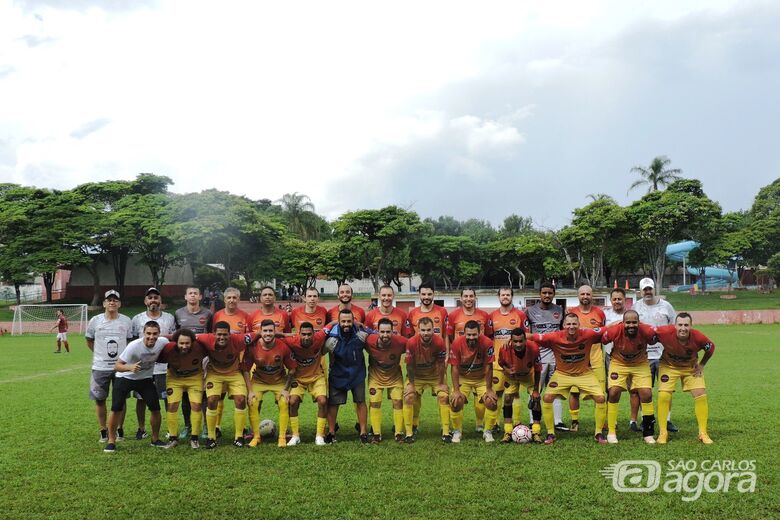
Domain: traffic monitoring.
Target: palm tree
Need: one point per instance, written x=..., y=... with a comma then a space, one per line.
x=656, y=174
x=595, y=197
x=299, y=210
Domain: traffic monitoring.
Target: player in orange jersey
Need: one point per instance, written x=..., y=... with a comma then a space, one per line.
x=522, y=368
x=311, y=311
x=387, y=310
x=231, y=314
x=427, y=308
x=345, y=302
x=385, y=351
x=269, y=311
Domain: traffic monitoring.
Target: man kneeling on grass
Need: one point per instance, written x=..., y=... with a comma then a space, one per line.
x=135, y=372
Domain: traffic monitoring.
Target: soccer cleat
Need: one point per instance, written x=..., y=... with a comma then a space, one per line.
x=399, y=437
x=194, y=444
x=409, y=439
x=110, y=448
x=364, y=438
x=649, y=439
x=507, y=438
x=57, y=351
x=204, y=435
x=210, y=444
x=634, y=427
x=330, y=438
x=446, y=439
x=663, y=438
x=238, y=442
x=600, y=438
x=219, y=432
x=561, y=427
x=612, y=438
x=140, y=434
x=294, y=441
x=487, y=435
x=186, y=432
x=120, y=434
x=375, y=439
x=319, y=440
x=705, y=439
x=254, y=442
x=456, y=435
x=172, y=443
x=550, y=439
x=479, y=428
x=159, y=444
x=671, y=428
x=575, y=426
x=103, y=436
x=536, y=438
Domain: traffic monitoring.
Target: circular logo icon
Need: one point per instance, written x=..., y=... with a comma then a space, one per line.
x=613, y=376
x=319, y=321
x=202, y=320
x=553, y=385
x=277, y=358
x=294, y=385
x=209, y=385
x=169, y=391
x=372, y=391
x=665, y=378
x=557, y=315
x=506, y=385
x=512, y=321
x=495, y=380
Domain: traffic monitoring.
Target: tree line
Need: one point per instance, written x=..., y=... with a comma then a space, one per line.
x=112, y=222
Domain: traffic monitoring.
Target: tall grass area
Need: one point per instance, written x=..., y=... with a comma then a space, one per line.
x=51, y=464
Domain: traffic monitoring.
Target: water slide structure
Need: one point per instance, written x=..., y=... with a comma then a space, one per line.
x=715, y=277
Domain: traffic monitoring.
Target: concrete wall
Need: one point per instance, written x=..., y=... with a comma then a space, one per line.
x=735, y=317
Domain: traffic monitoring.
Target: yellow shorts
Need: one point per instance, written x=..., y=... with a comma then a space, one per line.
x=395, y=390
x=176, y=386
x=499, y=379
x=639, y=374
x=420, y=385
x=587, y=384
x=233, y=383
x=477, y=388
x=668, y=376
x=600, y=376
x=260, y=389
x=316, y=388
x=516, y=386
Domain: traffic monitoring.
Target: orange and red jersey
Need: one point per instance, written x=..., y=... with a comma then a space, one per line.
x=572, y=357
x=592, y=319
x=62, y=324
x=318, y=318
x=308, y=358
x=626, y=350
x=437, y=314
x=458, y=318
x=183, y=365
x=472, y=363
x=384, y=363
x=357, y=313
x=504, y=324
x=269, y=363
x=676, y=354
x=425, y=357
x=397, y=316
x=280, y=318
x=226, y=360
x=520, y=367
x=238, y=321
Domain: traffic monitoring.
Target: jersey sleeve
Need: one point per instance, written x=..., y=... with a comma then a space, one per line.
x=90, y=333
x=490, y=353
x=288, y=360
x=703, y=341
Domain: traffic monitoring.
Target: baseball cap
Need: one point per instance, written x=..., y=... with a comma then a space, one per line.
x=110, y=293
x=152, y=290
x=646, y=282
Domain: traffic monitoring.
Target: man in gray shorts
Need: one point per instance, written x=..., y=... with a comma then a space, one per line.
x=545, y=316
x=153, y=302
x=107, y=336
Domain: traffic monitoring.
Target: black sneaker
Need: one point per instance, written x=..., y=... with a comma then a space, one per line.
x=219, y=432
x=575, y=426
x=399, y=437
x=140, y=434
x=671, y=427
x=110, y=448
x=159, y=444
x=330, y=438
x=364, y=438
x=238, y=443
x=375, y=439
x=634, y=427
x=561, y=427
x=447, y=439
x=210, y=444
x=103, y=436
x=409, y=439
x=120, y=434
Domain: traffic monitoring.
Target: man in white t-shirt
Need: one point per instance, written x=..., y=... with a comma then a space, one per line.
x=106, y=336
x=135, y=373
x=167, y=323
x=656, y=312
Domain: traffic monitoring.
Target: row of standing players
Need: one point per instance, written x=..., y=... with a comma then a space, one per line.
x=476, y=371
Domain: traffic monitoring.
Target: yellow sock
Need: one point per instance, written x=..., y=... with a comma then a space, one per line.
x=702, y=409
x=444, y=417
x=664, y=403
x=536, y=428
x=295, y=426
x=408, y=413
x=479, y=413
x=220, y=409
x=491, y=418
x=173, y=424
x=417, y=405
x=398, y=420
x=254, y=418
x=375, y=415
x=239, y=420
x=322, y=423
x=284, y=421
x=601, y=415
x=457, y=420
x=612, y=416
x=517, y=411
x=197, y=422
x=547, y=416
x=507, y=427
x=647, y=408
x=211, y=423
x=575, y=414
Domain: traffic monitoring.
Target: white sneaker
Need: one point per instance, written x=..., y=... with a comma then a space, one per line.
x=456, y=436
x=612, y=438
x=488, y=436
x=319, y=440
x=294, y=441
x=194, y=444
x=649, y=440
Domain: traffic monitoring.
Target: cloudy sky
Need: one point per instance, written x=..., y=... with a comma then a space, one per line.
x=442, y=107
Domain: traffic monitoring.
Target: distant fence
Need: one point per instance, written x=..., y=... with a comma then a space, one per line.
x=28, y=295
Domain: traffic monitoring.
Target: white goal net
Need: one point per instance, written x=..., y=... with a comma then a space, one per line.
x=42, y=319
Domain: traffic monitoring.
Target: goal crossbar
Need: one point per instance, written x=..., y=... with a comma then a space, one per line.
x=42, y=318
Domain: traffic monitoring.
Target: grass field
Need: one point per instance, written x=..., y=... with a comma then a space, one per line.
x=51, y=464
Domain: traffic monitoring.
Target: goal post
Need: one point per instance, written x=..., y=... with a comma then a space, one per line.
x=40, y=319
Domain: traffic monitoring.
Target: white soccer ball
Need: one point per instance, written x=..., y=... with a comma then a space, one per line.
x=267, y=428
x=522, y=434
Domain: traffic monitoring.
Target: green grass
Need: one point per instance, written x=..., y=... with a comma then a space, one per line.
x=51, y=464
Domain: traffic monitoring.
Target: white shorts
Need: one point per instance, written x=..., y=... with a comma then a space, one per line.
x=62, y=336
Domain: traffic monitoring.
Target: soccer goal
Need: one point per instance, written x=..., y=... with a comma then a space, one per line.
x=41, y=319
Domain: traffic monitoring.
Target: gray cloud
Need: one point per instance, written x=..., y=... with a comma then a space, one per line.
x=89, y=128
